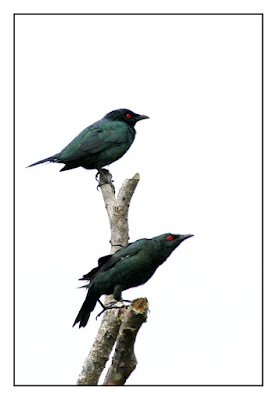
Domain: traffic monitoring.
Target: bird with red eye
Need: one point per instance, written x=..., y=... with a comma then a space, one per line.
x=129, y=267
x=100, y=144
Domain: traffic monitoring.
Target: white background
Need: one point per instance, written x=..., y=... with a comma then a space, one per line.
x=199, y=156
x=6, y=102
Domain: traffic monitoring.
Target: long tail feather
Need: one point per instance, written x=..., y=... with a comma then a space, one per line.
x=84, y=313
x=50, y=159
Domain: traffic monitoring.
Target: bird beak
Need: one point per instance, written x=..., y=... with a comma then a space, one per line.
x=184, y=237
x=140, y=117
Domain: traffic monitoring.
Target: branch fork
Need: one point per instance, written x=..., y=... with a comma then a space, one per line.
x=119, y=326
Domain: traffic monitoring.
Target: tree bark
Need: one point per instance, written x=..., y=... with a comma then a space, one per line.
x=124, y=359
x=121, y=325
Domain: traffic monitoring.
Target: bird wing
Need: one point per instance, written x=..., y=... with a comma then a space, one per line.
x=94, y=139
x=107, y=262
x=93, y=272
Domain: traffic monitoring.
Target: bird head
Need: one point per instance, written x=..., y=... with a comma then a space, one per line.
x=164, y=245
x=125, y=115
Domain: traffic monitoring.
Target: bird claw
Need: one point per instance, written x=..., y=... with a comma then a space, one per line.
x=98, y=315
x=112, y=305
x=105, y=178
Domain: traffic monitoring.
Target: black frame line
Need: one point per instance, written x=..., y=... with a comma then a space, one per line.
x=262, y=187
x=151, y=14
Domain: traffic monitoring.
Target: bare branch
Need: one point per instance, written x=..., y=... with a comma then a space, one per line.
x=100, y=351
x=108, y=194
x=117, y=210
x=124, y=360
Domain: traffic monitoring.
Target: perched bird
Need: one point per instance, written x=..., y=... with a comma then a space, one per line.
x=131, y=266
x=101, y=143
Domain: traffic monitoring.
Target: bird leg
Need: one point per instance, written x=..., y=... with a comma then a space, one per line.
x=105, y=178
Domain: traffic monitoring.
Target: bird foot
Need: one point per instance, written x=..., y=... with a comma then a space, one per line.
x=105, y=178
x=113, y=304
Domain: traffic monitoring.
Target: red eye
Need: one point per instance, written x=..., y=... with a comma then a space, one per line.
x=128, y=116
x=169, y=237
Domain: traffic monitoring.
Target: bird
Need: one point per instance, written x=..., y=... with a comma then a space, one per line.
x=131, y=266
x=101, y=143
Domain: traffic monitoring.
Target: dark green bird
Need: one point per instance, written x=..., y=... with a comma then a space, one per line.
x=101, y=143
x=129, y=267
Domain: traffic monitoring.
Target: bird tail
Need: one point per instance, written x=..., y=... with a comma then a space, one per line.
x=50, y=159
x=84, y=313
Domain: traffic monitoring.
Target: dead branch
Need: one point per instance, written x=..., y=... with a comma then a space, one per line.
x=117, y=325
x=124, y=359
